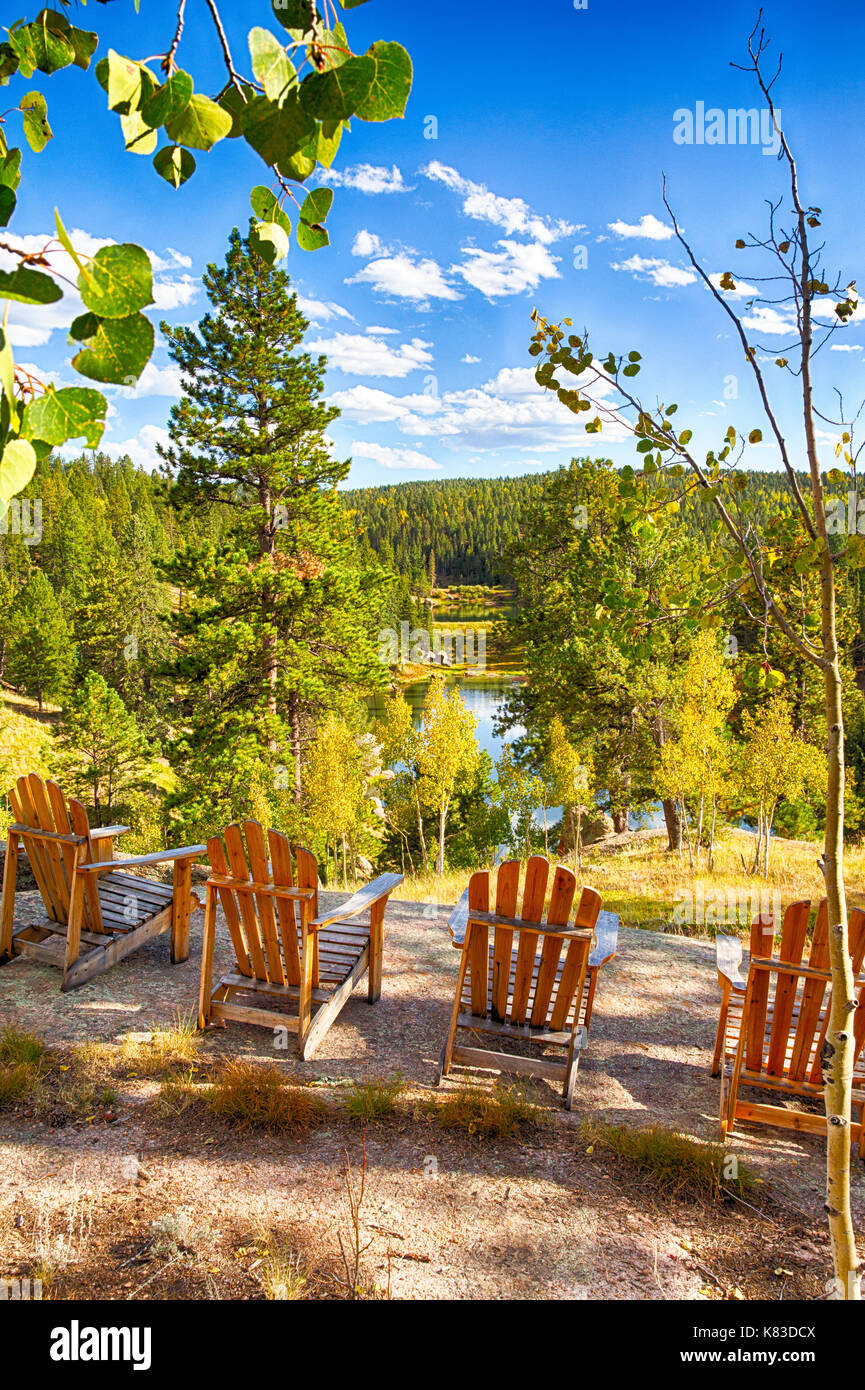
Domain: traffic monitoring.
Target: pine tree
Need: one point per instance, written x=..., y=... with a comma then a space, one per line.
x=40, y=655
x=277, y=622
x=102, y=750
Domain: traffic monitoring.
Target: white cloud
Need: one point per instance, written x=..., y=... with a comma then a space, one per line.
x=648, y=227
x=367, y=356
x=369, y=405
x=517, y=267
x=387, y=457
x=510, y=411
x=321, y=311
x=765, y=319
x=845, y=347
x=512, y=214
x=659, y=272
x=154, y=381
x=142, y=448
x=404, y=278
x=468, y=359
x=368, y=178
x=368, y=244
x=377, y=331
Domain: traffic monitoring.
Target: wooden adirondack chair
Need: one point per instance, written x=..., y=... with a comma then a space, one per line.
x=534, y=980
x=773, y=1023
x=284, y=949
x=95, y=912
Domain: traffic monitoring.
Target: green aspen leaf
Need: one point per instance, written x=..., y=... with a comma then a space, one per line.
x=351, y=4
x=74, y=412
x=168, y=101
x=391, y=84
x=271, y=64
x=36, y=128
x=117, y=281
x=300, y=165
x=10, y=169
x=29, y=286
x=84, y=42
x=200, y=125
x=311, y=237
x=174, y=164
x=755, y=436
x=277, y=132
x=63, y=238
x=269, y=241
x=294, y=16
x=8, y=63
x=117, y=351
x=51, y=46
x=329, y=138
x=336, y=95
x=83, y=328
x=127, y=83
x=233, y=102
x=17, y=466
x=7, y=204
x=22, y=45
x=334, y=48
x=266, y=207
x=316, y=205
x=138, y=137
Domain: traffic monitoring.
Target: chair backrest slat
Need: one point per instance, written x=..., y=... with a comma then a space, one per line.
x=53, y=858
x=267, y=917
x=762, y=944
x=479, y=901
x=80, y=823
x=280, y=858
x=570, y=987
x=811, y=1002
x=507, y=892
x=793, y=934
x=855, y=929
x=219, y=863
x=21, y=801
x=240, y=870
x=534, y=893
x=561, y=901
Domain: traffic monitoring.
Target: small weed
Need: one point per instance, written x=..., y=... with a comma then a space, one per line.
x=178, y=1093
x=257, y=1095
x=282, y=1275
x=497, y=1113
x=61, y=1239
x=374, y=1099
x=18, y=1048
x=164, y=1050
x=674, y=1161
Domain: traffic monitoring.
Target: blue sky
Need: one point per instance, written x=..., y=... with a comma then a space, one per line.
x=541, y=188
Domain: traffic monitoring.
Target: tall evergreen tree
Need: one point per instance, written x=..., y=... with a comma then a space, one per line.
x=102, y=750
x=276, y=624
x=40, y=655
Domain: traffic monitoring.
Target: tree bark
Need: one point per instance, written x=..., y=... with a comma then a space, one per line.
x=673, y=822
x=620, y=819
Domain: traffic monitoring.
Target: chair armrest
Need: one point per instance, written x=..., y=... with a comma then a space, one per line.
x=362, y=900
x=728, y=958
x=458, y=920
x=108, y=832
x=110, y=866
x=606, y=939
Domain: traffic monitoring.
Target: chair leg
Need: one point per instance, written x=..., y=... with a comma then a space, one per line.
x=718, y=1058
x=376, y=950
x=73, y=925
x=7, y=904
x=447, y=1052
x=181, y=908
x=205, y=988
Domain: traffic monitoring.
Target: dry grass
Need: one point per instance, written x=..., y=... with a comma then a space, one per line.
x=649, y=887
x=166, y=1050
x=259, y=1096
x=22, y=1057
x=495, y=1113
x=281, y=1272
x=673, y=1161
x=374, y=1099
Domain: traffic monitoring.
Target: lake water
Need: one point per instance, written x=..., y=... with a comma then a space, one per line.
x=485, y=698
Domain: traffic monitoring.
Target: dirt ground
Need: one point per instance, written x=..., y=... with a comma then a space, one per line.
x=444, y=1215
